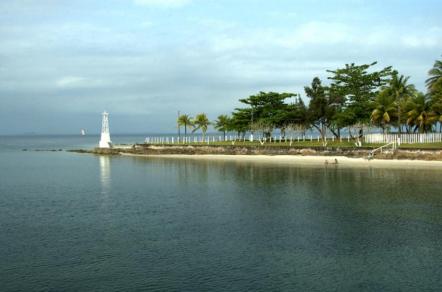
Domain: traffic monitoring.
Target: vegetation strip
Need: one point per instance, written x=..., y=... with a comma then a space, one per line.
x=357, y=98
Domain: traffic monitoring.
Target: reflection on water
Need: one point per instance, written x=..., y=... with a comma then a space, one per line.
x=189, y=225
x=105, y=178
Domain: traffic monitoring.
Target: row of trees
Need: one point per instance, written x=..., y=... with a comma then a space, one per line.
x=356, y=97
x=201, y=122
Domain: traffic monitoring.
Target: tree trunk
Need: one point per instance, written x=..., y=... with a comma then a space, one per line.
x=321, y=132
x=361, y=132
x=399, y=119
x=335, y=133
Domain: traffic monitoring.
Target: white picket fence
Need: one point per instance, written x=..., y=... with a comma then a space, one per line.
x=368, y=138
x=405, y=138
x=233, y=138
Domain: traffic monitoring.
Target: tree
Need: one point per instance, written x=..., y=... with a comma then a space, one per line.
x=384, y=110
x=434, y=85
x=318, y=107
x=186, y=121
x=201, y=122
x=266, y=108
x=293, y=116
x=323, y=108
x=241, y=120
x=357, y=88
x=435, y=74
x=420, y=115
x=223, y=124
x=401, y=92
x=436, y=101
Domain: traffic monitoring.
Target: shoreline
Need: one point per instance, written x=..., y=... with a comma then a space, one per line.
x=400, y=158
x=298, y=160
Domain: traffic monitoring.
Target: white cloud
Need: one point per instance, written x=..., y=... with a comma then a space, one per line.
x=71, y=82
x=163, y=3
x=432, y=38
x=321, y=32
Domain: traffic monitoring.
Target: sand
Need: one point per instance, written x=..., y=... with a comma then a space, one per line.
x=342, y=161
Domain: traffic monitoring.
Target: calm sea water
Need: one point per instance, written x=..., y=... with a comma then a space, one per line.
x=78, y=222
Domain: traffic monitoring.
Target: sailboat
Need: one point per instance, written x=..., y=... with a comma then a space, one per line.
x=83, y=132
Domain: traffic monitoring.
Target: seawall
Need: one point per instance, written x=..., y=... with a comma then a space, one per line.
x=148, y=149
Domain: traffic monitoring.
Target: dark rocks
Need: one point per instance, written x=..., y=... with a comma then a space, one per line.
x=146, y=149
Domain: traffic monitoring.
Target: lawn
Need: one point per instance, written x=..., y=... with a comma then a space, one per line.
x=314, y=143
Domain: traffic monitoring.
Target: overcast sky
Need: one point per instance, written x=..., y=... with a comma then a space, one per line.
x=63, y=62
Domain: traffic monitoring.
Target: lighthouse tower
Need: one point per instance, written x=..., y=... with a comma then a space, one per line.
x=105, y=141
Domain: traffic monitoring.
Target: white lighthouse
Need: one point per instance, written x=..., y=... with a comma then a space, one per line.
x=105, y=141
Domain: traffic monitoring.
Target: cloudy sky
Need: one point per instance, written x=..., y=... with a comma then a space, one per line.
x=63, y=62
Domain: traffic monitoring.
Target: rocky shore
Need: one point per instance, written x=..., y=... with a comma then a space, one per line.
x=147, y=149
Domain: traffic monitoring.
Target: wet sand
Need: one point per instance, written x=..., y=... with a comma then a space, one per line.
x=304, y=160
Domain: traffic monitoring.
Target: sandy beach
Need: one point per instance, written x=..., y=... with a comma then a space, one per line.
x=304, y=160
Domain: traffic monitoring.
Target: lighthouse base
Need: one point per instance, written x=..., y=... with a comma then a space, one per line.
x=105, y=141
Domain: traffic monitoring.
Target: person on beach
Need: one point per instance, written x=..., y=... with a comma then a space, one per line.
x=335, y=162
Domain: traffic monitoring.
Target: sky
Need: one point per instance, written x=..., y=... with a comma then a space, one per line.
x=63, y=62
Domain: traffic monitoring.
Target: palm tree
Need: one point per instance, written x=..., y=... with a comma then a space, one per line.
x=201, y=122
x=434, y=85
x=222, y=124
x=436, y=101
x=400, y=91
x=420, y=115
x=186, y=121
x=435, y=73
x=384, y=110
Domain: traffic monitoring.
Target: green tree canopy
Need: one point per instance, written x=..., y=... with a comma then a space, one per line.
x=186, y=121
x=434, y=85
x=420, y=115
x=324, y=108
x=400, y=91
x=357, y=86
x=384, y=110
x=223, y=124
x=266, y=108
x=201, y=122
x=292, y=115
x=241, y=120
x=435, y=74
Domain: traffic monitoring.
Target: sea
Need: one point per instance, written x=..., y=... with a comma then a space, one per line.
x=82, y=222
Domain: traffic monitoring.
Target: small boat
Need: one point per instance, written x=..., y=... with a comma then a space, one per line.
x=83, y=132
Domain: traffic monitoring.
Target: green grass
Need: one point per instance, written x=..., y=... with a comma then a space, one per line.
x=314, y=143
x=423, y=146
